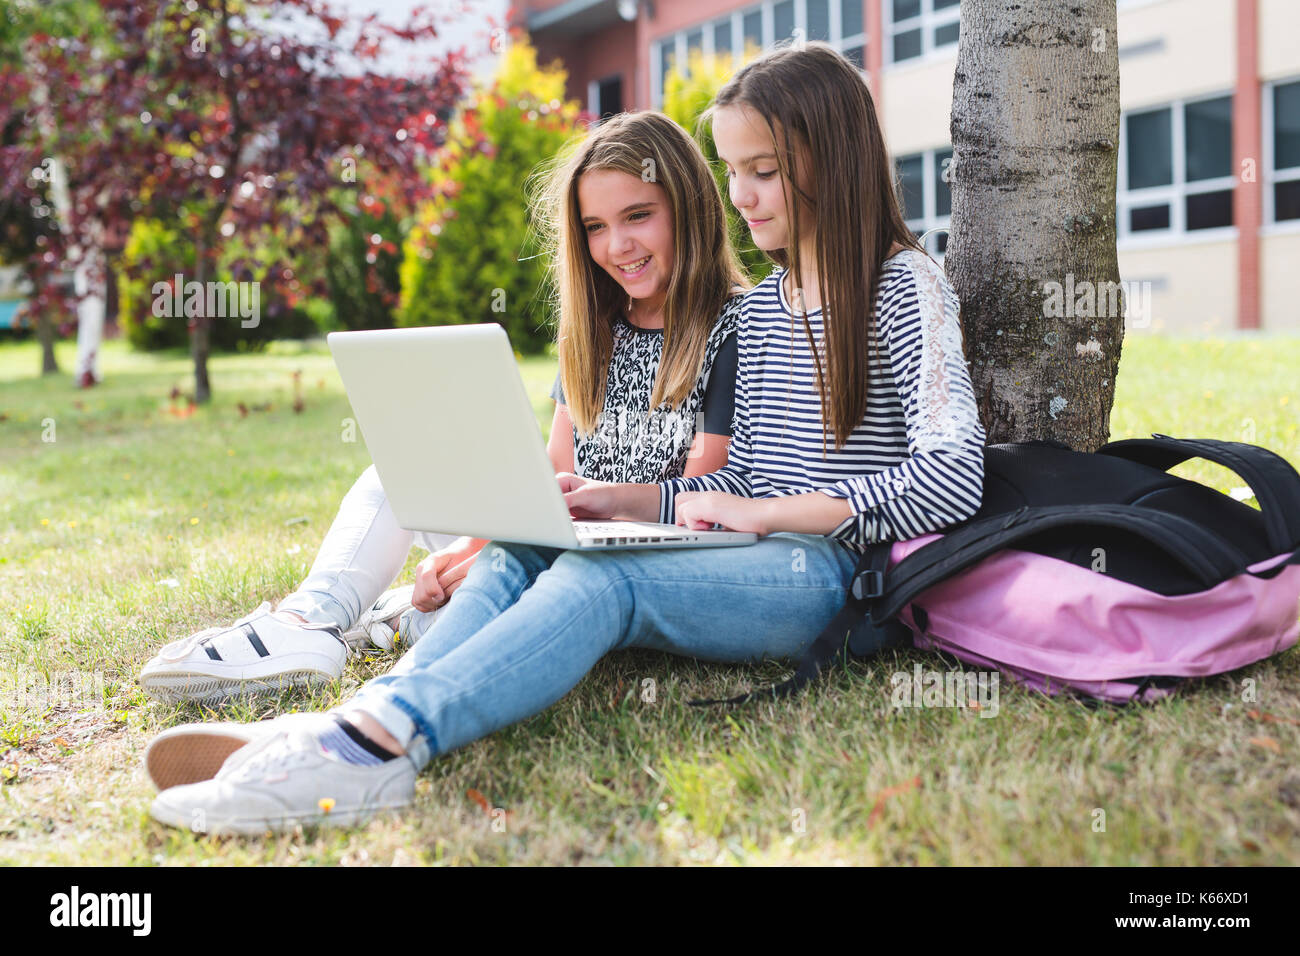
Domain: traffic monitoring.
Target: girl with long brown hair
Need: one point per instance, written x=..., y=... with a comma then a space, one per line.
x=855, y=422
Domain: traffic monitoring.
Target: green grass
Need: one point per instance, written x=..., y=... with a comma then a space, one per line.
x=135, y=527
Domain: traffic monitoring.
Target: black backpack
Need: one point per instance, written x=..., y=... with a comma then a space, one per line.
x=1093, y=572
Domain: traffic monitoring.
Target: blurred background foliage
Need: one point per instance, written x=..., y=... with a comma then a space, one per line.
x=469, y=255
x=472, y=254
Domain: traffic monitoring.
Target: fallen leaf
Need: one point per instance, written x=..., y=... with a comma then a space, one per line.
x=1268, y=743
x=888, y=792
x=478, y=798
x=1271, y=718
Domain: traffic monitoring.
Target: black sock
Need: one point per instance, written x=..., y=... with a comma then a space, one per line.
x=346, y=742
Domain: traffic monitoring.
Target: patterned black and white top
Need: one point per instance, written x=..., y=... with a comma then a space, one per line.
x=630, y=442
x=914, y=465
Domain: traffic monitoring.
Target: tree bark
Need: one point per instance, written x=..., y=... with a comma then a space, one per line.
x=45, y=334
x=200, y=333
x=1035, y=135
x=90, y=279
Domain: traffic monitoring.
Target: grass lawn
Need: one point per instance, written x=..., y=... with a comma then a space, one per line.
x=137, y=525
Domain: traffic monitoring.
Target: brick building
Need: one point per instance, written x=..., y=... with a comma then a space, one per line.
x=1209, y=165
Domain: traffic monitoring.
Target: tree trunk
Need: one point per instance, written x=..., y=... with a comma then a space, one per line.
x=1035, y=135
x=200, y=333
x=45, y=334
x=90, y=316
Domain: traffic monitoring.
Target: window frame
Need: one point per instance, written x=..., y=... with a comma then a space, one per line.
x=927, y=21
x=737, y=19
x=1269, y=175
x=928, y=220
x=1175, y=193
x=593, y=96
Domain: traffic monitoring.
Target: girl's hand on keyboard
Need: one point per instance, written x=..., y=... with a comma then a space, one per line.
x=587, y=498
x=701, y=510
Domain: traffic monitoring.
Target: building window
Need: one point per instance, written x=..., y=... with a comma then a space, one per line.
x=761, y=27
x=1282, y=152
x=925, y=191
x=605, y=97
x=1175, y=168
x=916, y=28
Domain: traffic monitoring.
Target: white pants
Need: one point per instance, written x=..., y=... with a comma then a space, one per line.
x=360, y=557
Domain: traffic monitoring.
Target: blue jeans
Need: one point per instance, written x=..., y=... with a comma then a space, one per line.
x=528, y=623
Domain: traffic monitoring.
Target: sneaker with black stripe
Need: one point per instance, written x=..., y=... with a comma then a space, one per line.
x=260, y=652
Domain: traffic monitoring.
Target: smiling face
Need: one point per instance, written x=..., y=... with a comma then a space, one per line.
x=629, y=230
x=754, y=181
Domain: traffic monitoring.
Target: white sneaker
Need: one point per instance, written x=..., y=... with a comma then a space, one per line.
x=193, y=752
x=256, y=653
x=284, y=781
x=378, y=624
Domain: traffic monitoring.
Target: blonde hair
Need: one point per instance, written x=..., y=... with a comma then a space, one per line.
x=705, y=269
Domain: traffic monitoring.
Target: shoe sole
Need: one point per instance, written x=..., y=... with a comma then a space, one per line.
x=191, y=757
x=189, y=687
x=259, y=826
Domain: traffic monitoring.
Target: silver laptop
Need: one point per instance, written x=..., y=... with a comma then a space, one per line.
x=455, y=441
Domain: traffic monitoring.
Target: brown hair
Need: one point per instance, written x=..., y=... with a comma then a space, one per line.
x=705, y=268
x=816, y=104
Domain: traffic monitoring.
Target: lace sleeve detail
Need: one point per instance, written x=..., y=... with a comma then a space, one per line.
x=945, y=401
x=940, y=482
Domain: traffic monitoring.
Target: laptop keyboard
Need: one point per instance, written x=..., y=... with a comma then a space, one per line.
x=624, y=529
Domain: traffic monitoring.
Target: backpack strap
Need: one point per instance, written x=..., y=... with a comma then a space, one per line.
x=1206, y=555
x=1271, y=477
x=852, y=626
x=879, y=594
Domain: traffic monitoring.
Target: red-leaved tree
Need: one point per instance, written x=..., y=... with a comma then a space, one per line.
x=249, y=121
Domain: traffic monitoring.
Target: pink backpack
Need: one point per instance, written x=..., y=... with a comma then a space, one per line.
x=1097, y=574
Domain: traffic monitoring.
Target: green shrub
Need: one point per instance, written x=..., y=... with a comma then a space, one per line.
x=685, y=98
x=156, y=252
x=471, y=255
x=362, y=268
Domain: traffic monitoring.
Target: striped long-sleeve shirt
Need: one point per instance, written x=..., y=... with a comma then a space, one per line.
x=912, y=466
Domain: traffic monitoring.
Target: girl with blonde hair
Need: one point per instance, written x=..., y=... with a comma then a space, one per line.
x=855, y=423
x=646, y=288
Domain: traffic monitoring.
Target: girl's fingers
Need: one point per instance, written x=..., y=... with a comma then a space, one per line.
x=454, y=576
x=427, y=594
x=569, y=482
